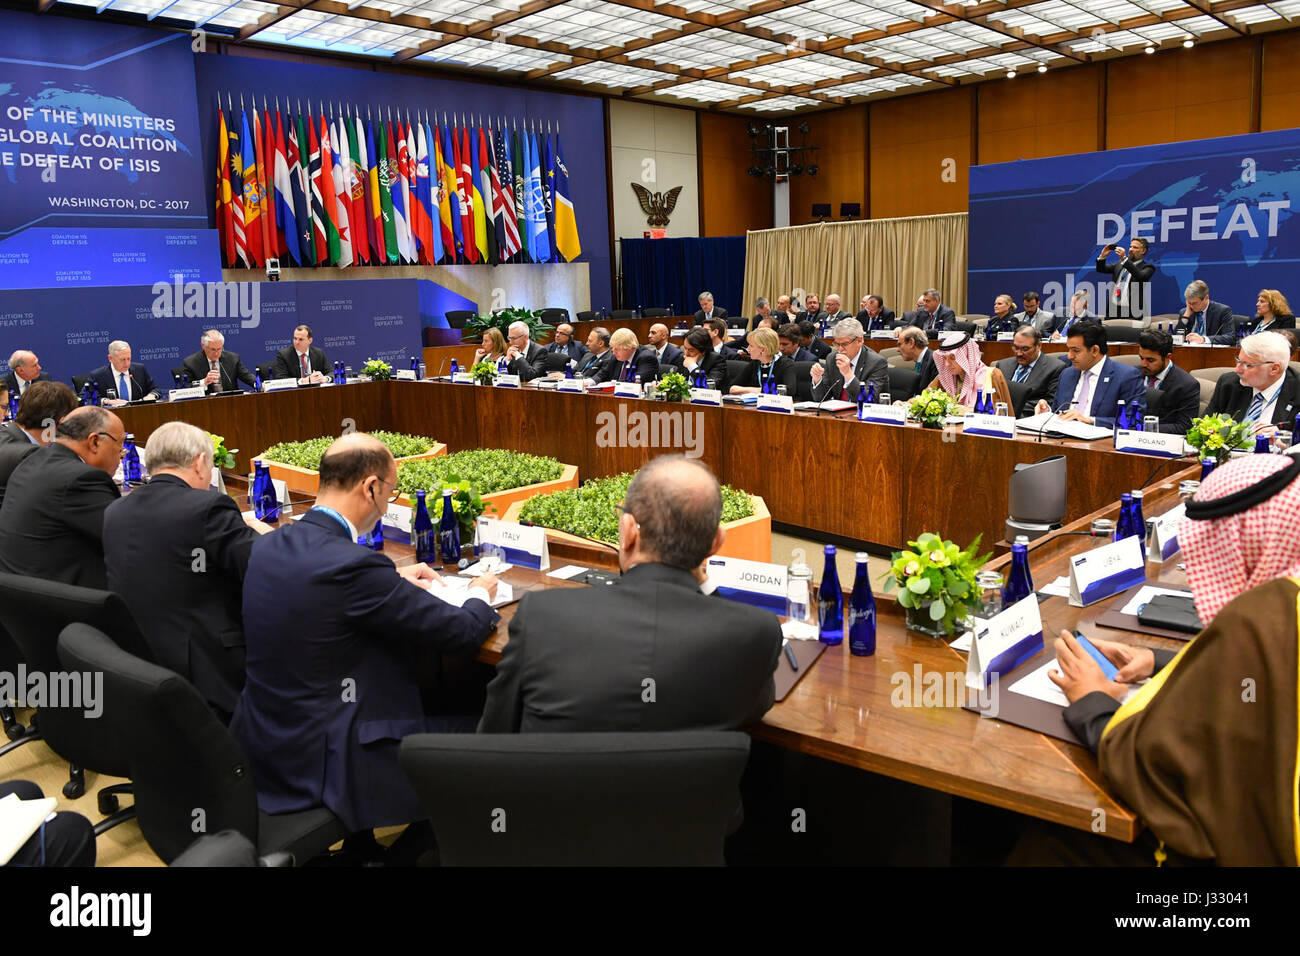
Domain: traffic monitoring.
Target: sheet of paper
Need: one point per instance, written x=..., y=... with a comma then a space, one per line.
x=1058, y=588
x=484, y=565
x=1144, y=596
x=799, y=631
x=1038, y=685
x=455, y=591
x=568, y=572
x=963, y=643
x=19, y=819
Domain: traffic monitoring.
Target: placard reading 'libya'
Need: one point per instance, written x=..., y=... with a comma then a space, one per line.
x=97, y=129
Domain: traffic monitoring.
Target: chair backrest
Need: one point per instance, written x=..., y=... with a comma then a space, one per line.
x=600, y=799
x=1155, y=402
x=967, y=327
x=655, y=313
x=554, y=316
x=889, y=353
x=555, y=361
x=179, y=373
x=1207, y=392
x=623, y=315
x=1121, y=333
x=457, y=318
x=34, y=611
x=78, y=382
x=1133, y=360
x=267, y=371
x=182, y=759
x=798, y=381
x=738, y=370
x=1211, y=374
x=588, y=316
x=903, y=382
x=1019, y=395
x=977, y=316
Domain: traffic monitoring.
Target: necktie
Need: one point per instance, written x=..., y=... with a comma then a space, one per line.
x=1200, y=324
x=917, y=367
x=212, y=367
x=1022, y=373
x=1085, y=392
x=303, y=360
x=123, y=389
x=1152, y=381
x=1256, y=407
x=1121, y=287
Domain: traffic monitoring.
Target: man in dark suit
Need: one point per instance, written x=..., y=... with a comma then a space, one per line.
x=1030, y=367
x=841, y=376
x=834, y=309
x=707, y=310
x=1181, y=392
x=563, y=342
x=914, y=347
x=811, y=340
x=129, y=381
x=42, y=408
x=525, y=357
x=332, y=632
x=1131, y=275
x=52, y=520
x=1264, y=390
x=597, y=356
x=1203, y=320
x=24, y=368
x=665, y=352
x=933, y=315
x=873, y=314
x=214, y=367
x=697, y=353
x=629, y=359
x=176, y=551
x=812, y=312
x=711, y=663
x=1091, y=389
x=1041, y=319
x=717, y=329
x=789, y=339
x=302, y=360
x=1077, y=310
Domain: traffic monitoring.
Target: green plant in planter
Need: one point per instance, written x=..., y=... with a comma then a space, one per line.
x=589, y=512
x=938, y=572
x=1215, y=436
x=932, y=407
x=307, y=454
x=674, y=387
x=487, y=469
x=501, y=319
x=466, y=502
x=377, y=369
x=222, y=457
x=485, y=373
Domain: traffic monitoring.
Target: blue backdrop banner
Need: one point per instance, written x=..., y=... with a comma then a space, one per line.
x=663, y=272
x=1220, y=210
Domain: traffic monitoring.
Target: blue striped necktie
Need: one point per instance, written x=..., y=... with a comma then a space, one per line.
x=1256, y=407
x=1022, y=373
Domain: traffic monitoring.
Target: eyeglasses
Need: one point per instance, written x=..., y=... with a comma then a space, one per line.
x=621, y=508
x=111, y=437
x=1241, y=364
x=1021, y=348
x=517, y=335
x=845, y=343
x=394, y=496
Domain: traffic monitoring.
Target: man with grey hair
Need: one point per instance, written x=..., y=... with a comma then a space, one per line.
x=710, y=663
x=1264, y=390
x=931, y=315
x=914, y=347
x=121, y=380
x=834, y=309
x=1203, y=320
x=1028, y=366
x=707, y=310
x=52, y=519
x=176, y=551
x=215, y=368
x=842, y=374
x=24, y=368
x=526, y=358
x=1077, y=310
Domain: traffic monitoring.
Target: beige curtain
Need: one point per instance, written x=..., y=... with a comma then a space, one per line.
x=897, y=259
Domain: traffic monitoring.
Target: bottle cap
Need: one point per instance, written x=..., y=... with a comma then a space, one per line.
x=1021, y=539
x=860, y=557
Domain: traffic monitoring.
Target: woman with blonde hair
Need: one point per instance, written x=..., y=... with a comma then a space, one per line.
x=493, y=347
x=1273, y=312
x=767, y=365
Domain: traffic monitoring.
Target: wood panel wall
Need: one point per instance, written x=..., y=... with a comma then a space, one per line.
x=731, y=201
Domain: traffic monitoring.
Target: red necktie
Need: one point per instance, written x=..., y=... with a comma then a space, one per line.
x=1151, y=382
x=303, y=359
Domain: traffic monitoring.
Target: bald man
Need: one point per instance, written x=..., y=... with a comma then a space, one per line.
x=711, y=661
x=659, y=340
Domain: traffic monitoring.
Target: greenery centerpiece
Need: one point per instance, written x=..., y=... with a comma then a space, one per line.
x=483, y=373
x=588, y=511
x=1215, y=436
x=377, y=370
x=932, y=407
x=222, y=457
x=502, y=319
x=307, y=454
x=936, y=581
x=674, y=387
x=473, y=474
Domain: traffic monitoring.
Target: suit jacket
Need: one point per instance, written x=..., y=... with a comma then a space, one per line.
x=329, y=691
x=591, y=363
x=926, y=369
x=1043, y=321
x=819, y=348
x=1232, y=398
x=884, y=319
x=286, y=362
x=11, y=381
x=1220, y=327
x=1182, y=400
x=715, y=371
x=1061, y=322
x=749, y=378
x=1009, y=324
x=644, y=361
x=944, y=318
x=1118, y=382
x=138, y=380
x=711, y=662
x=197, y=631
x=1279, y=322
x=233, y=371
x=573, y=350
x=14, y=447
x=815, y=318
x=867, y=367
x=1140, y=272
x=802, y=354
x=52, y=521
x=1041, y=381
x=718, y=313
x=671, y=354
x=832, y=318
x=528, y=366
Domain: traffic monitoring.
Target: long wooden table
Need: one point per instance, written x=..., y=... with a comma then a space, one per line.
x=880, y=485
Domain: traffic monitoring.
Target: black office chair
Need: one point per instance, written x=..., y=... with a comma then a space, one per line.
x=555, y=316
x=79, y=382
x=1122, y=333
x=903, y=383
x=9, y=658
x=1019, y=396
x=588, y=316
x=581, y=799
x=457, y=318
x=623, y=315
x=181, y=377
x=267, y=371
x=738, y=371
x=34, y=611
x=798, y=381
x=183, y=758
x=655, y=313
x=555, y=361
x=967, y=327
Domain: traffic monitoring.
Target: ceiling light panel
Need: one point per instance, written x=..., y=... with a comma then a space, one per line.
x=802, y=69
x=708, y=49
x=503, y=57
x=840, y=17
x=780, y=104
x=706, y=91
x=590, y=23
x=614, y=75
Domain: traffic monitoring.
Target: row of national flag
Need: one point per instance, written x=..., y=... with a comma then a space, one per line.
x=344, y=190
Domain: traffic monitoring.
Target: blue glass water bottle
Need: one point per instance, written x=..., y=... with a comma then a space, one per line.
x=257, y=380
x=1207, y=466
x=455, y=366
x=94, y=392
x=862, y=400
x=415, y=365
x=1139, y=522
x=267, y=506
x=449, y=530
x=132, y=473
x=422, y=531
x=1124, y=524
x=830, y=603
x=13, y=404
x=1262, y=445
x=255, y=489
x=1020, y=583
x=862, y=612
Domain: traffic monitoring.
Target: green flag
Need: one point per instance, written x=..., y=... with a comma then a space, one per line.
x=303, y=161
x=387, y=167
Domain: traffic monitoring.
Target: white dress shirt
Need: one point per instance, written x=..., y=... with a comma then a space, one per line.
x=1094, y=381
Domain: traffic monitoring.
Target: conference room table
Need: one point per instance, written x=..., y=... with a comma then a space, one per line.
x=828, y=476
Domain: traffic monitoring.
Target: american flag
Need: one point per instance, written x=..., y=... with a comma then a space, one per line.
x=503, y=200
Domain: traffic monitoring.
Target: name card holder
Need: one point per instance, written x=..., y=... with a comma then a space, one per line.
x=462, y=378
x=517, y=544
x=884, y=334
x=571, y=385
x=1150, y=443
x=885, y=414
x=398, y=517
x=1004, y=642
x=279, y=384
x=627, y=390
x=776, y=403
x=1164, y=535
x=706, y=396
x=756, y=583
x=507, y=381
x=181, y=394
x=1106, y=571
x=999, y=426
x=1006, y=336
x=404, y=375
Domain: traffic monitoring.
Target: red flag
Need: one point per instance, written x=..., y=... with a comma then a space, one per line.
x=328, y=193
x=225, y=212
x=465, y=191
x=273, y=226
x=264, y=218
x=359, y=215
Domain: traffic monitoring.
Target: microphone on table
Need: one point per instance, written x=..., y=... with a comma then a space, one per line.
x=441, y=366
x=1043, y=427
